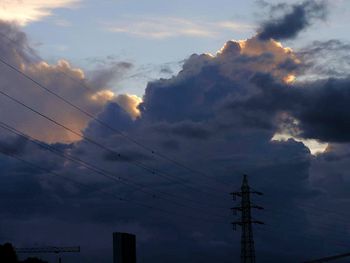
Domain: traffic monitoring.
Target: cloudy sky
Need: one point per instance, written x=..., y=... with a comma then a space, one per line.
x=142, y=117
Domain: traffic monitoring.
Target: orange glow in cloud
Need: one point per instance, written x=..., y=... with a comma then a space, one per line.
x=289, y=79
x=130, y=104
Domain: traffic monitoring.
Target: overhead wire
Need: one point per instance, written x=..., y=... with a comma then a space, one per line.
x=109, y=175
x=102, y=123
x=103, y=147
x=119, y=198
x=159, y=154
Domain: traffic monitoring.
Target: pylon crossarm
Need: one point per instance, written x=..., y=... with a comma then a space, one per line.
x=248, y=222
x=257, y=207
x=235, y=194
x=258, y=222
x=250, y=192
x=240, y=208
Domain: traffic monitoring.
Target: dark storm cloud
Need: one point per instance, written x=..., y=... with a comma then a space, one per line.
x=218, y=116
x=289, y=65
x=232, y=119
x=112, y=114
x=218, y=122
x=193, y=122
x=242, y=114
x=155, y=104
x=23, y=191
x=169, y=145
x=125, y=156
x=326, y=114
x=295, y=19
x=321, y=107
x=186, y=129
x=12, y=145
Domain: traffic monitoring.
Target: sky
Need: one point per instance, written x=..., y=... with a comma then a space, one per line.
x=142, y=117
x=143, y=32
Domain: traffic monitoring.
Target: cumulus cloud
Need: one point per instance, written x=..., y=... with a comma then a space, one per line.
x=218, y=115
x=294, y=19
x=201, y=115
x=24, y=12
x=89, y=92
x=130, y=104
x=224, y=75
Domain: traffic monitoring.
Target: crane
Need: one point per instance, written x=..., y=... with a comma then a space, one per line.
x=328, y=259
x=56, y=250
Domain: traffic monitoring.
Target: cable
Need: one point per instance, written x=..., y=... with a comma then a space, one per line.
x=111, y=128
x=100, y=122
x=278, y=231
x=106, y=125
x=90, y=166
x=119, y=198
x=99, y=171
x=79, y=134
x=299, y=204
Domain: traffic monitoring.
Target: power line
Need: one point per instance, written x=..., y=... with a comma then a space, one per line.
x=330, y=232
x=296, y=233
x=302, y=203
x=0, y=92
x=311, y=213
x=119, y=198
x=105, y=173
x=288, y=187
x=96, y=119
x=108, y=192
x=291, y=219
x=247, y=253
x=312, y=240
x=121, y=133
x=88, y=139
x=104, y=124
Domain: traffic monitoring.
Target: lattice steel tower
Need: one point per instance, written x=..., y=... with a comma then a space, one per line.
x=246, y=222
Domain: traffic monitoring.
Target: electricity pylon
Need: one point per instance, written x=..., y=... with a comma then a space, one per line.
x=246, y=222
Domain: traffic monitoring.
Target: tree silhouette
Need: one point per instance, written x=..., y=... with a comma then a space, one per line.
x=33, y=260
x=8, y=255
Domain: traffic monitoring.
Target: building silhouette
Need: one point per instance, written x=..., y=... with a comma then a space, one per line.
x=124, y=248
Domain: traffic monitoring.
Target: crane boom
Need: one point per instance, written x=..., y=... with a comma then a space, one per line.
x=48, y=250
x=56, y=250
x=328, y=259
